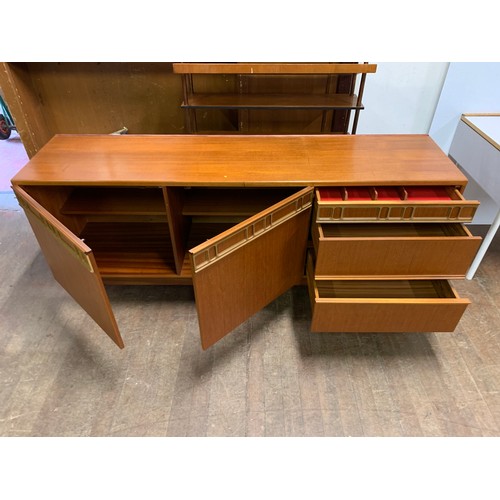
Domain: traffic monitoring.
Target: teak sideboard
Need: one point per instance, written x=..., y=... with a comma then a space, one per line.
x=372, y=223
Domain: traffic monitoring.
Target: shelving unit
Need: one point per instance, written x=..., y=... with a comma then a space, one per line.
x=333, y=95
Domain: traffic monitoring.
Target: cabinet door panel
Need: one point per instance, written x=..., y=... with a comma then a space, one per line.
x=72, y=264
x=238, y=272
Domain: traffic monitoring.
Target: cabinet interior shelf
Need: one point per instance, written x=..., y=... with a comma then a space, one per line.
x=115, y=201
x=124, y=249
x=232, y=201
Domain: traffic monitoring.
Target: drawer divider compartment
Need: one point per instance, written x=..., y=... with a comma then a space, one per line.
x=392, y=204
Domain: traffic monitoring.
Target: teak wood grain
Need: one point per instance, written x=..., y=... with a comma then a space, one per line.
x=378, y=250
x=194, y=160
x=231, y=201
x=178, y=224
x=383, y=312
x=127, y=249
x=273, y=68
x=238, y=271
x=238, y=284
x=273, y=101
x=52, y=199
x=72, y=263
x=123, y=201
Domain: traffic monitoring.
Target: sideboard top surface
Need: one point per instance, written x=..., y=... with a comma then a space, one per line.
x=221, y=160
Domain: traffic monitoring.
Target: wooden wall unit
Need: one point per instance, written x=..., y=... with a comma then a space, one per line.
x=232, y=214
x=274, y=98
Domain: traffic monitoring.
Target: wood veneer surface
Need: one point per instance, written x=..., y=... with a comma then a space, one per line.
x=273, y=262
x=240, y=161
x=123, y=201
x=273, y=68
x=273, y=101
x=405, y=249
x=72, y=264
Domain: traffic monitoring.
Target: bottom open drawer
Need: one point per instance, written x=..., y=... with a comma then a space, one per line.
x=383, y=305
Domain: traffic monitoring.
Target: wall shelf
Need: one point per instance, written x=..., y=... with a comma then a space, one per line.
x=333, y=96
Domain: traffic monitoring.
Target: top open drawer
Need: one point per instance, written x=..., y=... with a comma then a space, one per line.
x=392, y=203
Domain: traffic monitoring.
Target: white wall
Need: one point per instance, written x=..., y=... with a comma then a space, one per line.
x=401, y=97
x=469, y=88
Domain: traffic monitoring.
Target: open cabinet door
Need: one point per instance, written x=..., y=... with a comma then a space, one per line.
x=72, y=263
x=238, y=272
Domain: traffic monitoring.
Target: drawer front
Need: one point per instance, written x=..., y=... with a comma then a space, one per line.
x=433, y=250
x=396, y=311
x=391, y=204
x=379, y=316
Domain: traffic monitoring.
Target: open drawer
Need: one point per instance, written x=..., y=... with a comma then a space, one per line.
x=392, y=204
x=383, y=305
x=393, y=249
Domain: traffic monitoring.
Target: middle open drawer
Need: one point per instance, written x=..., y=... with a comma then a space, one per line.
x=394, y=249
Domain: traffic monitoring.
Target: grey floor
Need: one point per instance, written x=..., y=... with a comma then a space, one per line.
x=61, y=376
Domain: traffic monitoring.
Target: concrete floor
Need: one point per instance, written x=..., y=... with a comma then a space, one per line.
x=60, y=375
x=12, y=157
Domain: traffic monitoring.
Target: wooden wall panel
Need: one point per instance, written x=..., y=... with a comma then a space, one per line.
x=104, y=97
x=49, y=98
x=25, y=106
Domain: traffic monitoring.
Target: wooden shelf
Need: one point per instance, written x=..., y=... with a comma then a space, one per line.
x=130, y=248
x=137, y=250
x=324, y=100
x=273, y=68
x=231, y=202
x=273, y=101
x=115, y=201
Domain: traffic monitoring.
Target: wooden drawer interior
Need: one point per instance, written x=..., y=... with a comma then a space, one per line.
x=384, y=289
x=388, y=193
x=379, y=305
x=393, y=230
x=405, y=249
